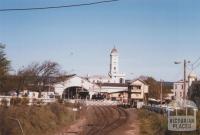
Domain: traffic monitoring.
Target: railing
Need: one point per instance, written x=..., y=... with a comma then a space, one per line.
x=31, y=101
x=95, y=102
x=157, y=109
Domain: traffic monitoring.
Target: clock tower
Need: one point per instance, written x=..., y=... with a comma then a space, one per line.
x=114, y=67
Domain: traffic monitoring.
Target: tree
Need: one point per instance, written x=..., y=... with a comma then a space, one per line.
x=4, y=67
x=155, y=88
x=194, y=93
x=40, y=76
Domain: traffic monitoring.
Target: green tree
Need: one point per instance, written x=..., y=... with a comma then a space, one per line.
x=4, y=68
x=194, y=93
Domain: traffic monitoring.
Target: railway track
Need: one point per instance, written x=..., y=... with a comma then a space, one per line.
x=105, y=120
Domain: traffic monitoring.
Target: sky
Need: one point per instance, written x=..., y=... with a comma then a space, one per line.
x=149, y=35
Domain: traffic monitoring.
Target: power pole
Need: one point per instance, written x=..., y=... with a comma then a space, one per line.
x=184, y=81
x=184, y=87
x=161, y=92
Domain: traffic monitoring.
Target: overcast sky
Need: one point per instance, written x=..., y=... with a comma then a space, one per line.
x=149, y=35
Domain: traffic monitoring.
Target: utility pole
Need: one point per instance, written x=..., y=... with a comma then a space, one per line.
x=161, y=92
x=184, y=87
x=184, y=81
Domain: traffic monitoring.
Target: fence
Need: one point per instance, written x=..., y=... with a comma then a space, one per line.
x=95, y=102
x=31, y=101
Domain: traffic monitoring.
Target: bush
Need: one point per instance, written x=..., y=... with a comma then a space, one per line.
x=44, y=120
x=40, y=102
x=34, y=101
x=15, y=101
x=4, y=102
x=24, y=101
x=60, y=100
x=152, y=123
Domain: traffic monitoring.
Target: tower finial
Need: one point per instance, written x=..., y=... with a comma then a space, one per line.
x=114, y=50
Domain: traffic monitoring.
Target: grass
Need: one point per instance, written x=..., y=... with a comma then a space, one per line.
x=35, y=120
x=152, y=123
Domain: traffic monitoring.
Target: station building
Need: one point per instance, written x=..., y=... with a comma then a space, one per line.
x=112, y=87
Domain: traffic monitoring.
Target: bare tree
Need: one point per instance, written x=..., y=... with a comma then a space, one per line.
x=40, y=76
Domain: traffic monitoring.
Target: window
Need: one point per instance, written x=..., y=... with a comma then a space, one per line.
x=121, y=80
x=137, y=87
x=114, y=68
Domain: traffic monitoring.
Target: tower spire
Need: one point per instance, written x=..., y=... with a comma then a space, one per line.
x=114, y=50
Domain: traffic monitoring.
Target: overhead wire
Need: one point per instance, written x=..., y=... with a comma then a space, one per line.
x=57, y=7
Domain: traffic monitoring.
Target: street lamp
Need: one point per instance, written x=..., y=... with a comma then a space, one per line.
x=184, y=68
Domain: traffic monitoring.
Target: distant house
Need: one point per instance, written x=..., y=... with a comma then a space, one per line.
x=112, y=87
x=179, y=86
x=119, y=96
x=139, y=90
x=178, y=89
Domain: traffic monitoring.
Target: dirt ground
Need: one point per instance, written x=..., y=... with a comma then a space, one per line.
x=131, y=127
x=75, y=129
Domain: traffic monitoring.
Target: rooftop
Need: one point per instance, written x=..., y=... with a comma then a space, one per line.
x=114, y=50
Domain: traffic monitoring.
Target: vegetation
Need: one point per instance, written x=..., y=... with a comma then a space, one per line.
x=155, y=88
x=152, y=123
x=39, y=76
x=194, y=93
x=4, y=68
x=43, y=120
x=36, y=119
x=35, y=77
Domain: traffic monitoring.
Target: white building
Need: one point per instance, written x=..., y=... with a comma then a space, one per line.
x=113, y=84
x=114, y=76
x=178, y=87
x=75, y=85
x=139, y=90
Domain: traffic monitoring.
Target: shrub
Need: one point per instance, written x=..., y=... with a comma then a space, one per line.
x=24, y=101
x=60, y=100
x=4, y=102
x=15, y=101
x=44, y=120
x=34, y=101
x=39, y=102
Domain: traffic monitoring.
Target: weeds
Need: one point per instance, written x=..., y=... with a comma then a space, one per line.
x=155, y=124
x=35, y=120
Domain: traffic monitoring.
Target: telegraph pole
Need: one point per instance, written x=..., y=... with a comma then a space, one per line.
x=161, y=92
x=184, y=87
x=185, y=74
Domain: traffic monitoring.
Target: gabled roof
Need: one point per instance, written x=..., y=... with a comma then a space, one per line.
x=138, y=80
